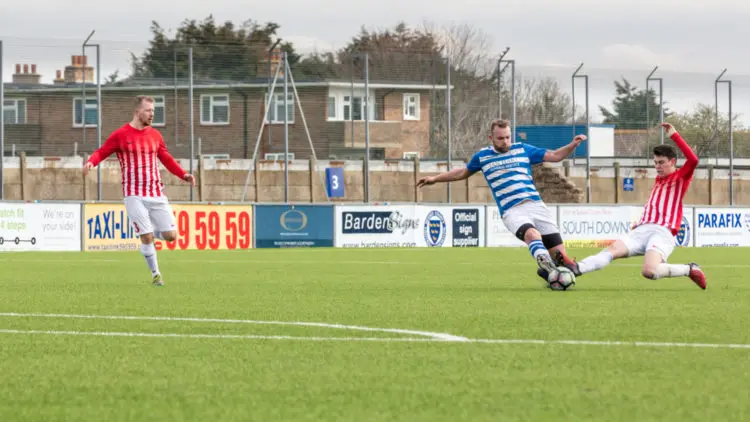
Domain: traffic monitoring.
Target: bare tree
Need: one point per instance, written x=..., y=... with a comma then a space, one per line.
x=427, y=54
x=542, y=102
x=709, y=139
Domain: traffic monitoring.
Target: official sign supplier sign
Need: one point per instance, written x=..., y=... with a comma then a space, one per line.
x=466, y=227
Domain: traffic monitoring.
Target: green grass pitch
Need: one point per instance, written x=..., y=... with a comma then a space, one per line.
x=369, y=335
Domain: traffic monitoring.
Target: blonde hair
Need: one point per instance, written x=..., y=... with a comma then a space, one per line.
x=140, y=99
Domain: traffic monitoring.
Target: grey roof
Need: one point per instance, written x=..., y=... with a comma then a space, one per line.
x=131, y=84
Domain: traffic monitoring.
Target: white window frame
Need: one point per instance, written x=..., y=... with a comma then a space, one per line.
x=408, y=99
x=87, y=107
x=333, y=110
x=272, y=108
x=160, y=101
x=341, y=102
x=227, y=103
x=15, y=108
x=278, y=156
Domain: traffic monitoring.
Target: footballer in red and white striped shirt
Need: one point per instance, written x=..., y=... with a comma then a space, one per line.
x=138, y=147
x=653, y=235
x=664, y=206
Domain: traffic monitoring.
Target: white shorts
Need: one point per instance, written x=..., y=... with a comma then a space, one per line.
x=649, y=237
x=535, y=213
x=150, y=213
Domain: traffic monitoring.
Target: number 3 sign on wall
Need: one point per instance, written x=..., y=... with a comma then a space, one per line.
x=335, y=182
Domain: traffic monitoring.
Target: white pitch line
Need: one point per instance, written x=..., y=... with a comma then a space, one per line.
x=219, y=336
x=439, y=336
x=385, y=339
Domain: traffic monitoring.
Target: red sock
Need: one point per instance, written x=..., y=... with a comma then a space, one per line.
x=565, y=258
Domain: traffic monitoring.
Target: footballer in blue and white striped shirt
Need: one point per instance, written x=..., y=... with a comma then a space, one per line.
x=507, y=168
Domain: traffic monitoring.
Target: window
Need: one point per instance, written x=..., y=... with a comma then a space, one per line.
x=278, y=156
x=90, y=111
x=215, y=109
x=159, y=111
x=331, y=107
x=14, y=111
x=354, y=108
x=343, y=104
x=411, y=106
x=276, y=108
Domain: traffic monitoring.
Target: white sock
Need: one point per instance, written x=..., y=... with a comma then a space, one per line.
x=671, y=270
x=595, y=262
x=149, y=252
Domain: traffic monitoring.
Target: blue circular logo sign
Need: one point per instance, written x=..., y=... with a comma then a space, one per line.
x=683, y=235
x=434, y=229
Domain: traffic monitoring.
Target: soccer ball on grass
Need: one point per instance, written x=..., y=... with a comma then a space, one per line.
x=561, y=279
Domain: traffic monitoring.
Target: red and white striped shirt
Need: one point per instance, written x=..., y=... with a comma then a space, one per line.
x=138, y=151
x=664, y=206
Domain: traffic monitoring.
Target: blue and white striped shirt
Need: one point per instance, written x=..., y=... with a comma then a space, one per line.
x=509, y=174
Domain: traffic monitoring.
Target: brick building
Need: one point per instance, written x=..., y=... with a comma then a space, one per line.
x=61, y=118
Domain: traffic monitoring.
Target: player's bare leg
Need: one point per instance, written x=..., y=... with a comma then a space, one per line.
x=169, y=236
x=562, y=259
x=655, y=268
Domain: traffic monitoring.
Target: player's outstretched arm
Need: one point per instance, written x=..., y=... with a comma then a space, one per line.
x=472, y=167
x=563, y=152
x=691, y=159
x=448, y=176
x=171, y=164
x=110, y=147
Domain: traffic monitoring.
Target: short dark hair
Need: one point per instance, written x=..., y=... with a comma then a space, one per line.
x=665, y=151
x=501, y=123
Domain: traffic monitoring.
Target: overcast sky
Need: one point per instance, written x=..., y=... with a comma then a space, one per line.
x=612, y=37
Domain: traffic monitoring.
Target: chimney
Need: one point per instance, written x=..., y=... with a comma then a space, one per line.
x=26, y=78
x=59, y=80
x=275, y=57
x=73, y=73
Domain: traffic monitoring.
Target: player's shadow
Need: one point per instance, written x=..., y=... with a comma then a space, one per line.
x=580, y=290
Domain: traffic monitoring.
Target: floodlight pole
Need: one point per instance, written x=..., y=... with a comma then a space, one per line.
x=98, y=107
x=2, y=125
x=270, y=93
x=661, y=103
x=731, y=134
x=500, y=83
x=588, y=127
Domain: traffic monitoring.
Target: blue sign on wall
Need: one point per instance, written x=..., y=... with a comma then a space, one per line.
x=286, y=226
x=628, y=184
x=335, y=182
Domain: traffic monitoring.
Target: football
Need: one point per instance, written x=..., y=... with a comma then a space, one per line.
x=562, y=279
